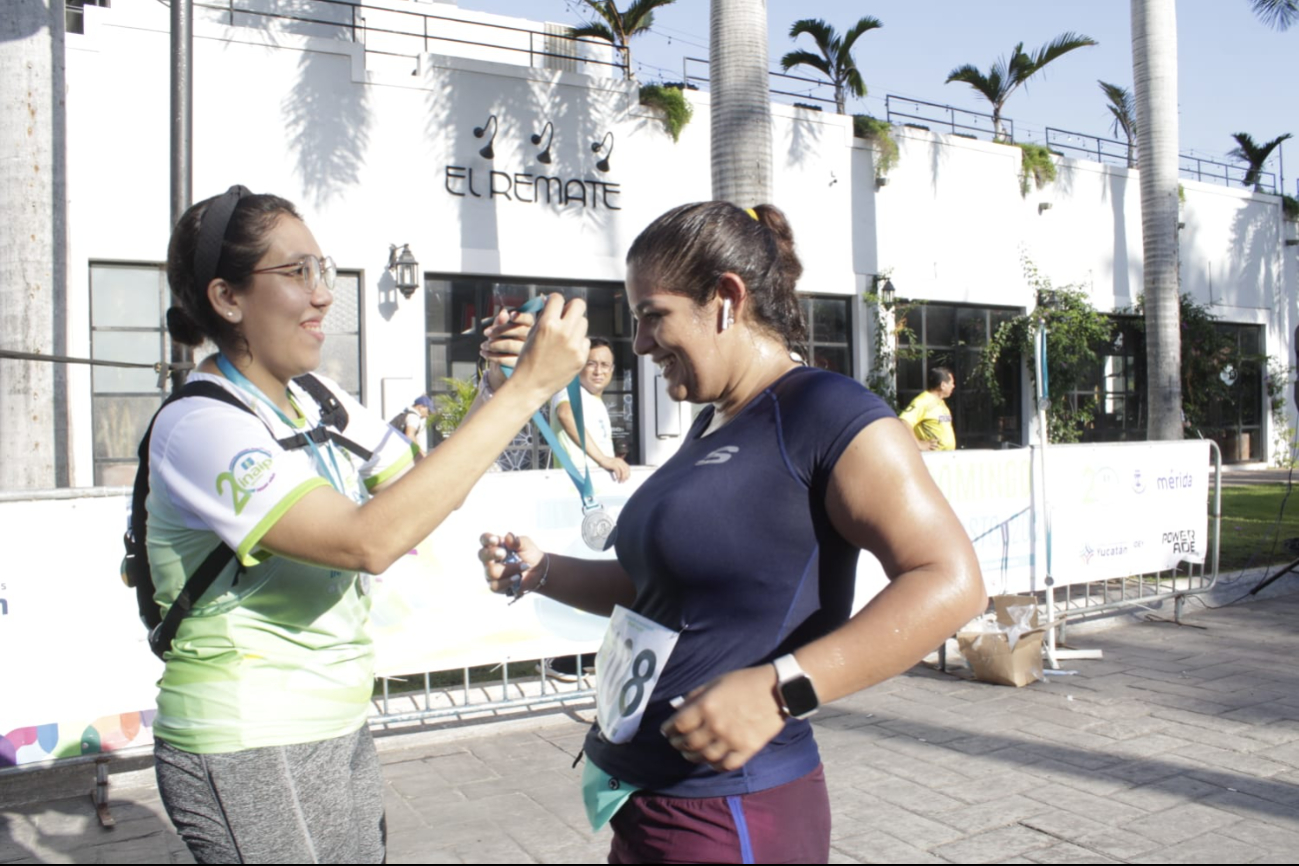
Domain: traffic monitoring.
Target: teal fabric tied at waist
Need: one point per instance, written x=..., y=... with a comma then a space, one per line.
x=602, y=794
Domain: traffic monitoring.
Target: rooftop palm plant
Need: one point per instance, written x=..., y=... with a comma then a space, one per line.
x=1255, y=155
x=618, y=27
x=1005, y=76
x=1124, y=109
x=835, y=60
x=1277, y=13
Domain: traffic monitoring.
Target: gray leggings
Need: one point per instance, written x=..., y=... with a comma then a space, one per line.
x=306, y=803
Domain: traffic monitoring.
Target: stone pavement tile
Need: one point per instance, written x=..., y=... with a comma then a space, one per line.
x=1073, y=736
x=1246, y=765
x=912, y=796
x=1268, y=836
x=991, y=814
x=995, y=846
x=1104, y=810
x=1262, y=712
x=1252, y=808
x=413, y=780
x=904, y=767
x=987, y=788
x=460, y=768
x=1066, y=852
x=1188, y=703
x=1286, y=754
x=1168, y=792
x=596, y=851
x=1276, y=733
x=1127, y=729
x=542, y=781
x=1011, y=759
x=1208, y=848
x=1217, y=739
x=1278, y=789
x=1083, y=780
x=1062, y=824
x=934, y=727
x=1200, y=720
x=1144, y=771
x=911, y=828
x=919, y=750
x=1180, y=822
x=1148, y=746
x=876, y=847
x=1112, y=709
x=423, y=855
x=1117, y=844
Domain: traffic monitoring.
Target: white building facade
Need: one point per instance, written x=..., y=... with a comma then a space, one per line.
x=508, y=171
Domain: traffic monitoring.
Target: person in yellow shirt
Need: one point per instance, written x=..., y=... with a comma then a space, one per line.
x=928, y=416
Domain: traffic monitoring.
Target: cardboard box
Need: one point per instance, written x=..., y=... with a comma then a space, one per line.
x=989, y=654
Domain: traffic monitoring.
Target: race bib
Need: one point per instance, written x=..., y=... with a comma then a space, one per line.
x=630, y=661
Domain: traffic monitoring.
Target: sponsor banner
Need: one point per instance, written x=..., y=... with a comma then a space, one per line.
x=1125, y=509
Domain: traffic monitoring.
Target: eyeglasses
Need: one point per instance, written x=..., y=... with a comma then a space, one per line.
x=313, y=271
x=600, y=366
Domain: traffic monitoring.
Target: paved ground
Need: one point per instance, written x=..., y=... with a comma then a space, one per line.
x=1180, y=746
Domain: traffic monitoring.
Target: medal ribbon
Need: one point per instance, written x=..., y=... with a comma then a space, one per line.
x=335, y=478
x=582, y=481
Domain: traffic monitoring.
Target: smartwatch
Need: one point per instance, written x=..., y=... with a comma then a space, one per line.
x=797, y=694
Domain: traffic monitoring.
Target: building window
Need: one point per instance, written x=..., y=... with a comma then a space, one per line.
x=829, y=331
x=946, y=335
x=74, y=14
x=458, y=307
x=1235, y=416
x=128, y=303
x=1118, y=386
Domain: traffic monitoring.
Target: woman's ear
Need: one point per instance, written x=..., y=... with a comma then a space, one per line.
x=733, y=292
x=224, y=300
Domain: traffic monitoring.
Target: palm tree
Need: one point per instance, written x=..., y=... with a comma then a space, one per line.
x=741, y=104
x=618, y=27
x=1254, y=154
x=1154, y=81
x=1277, y=13
x=1006, y=76
x=835, y=61
x=1124, y=109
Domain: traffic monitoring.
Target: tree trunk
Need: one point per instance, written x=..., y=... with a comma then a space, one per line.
x=33, y=286
x=741, y=106
x=1154, y=75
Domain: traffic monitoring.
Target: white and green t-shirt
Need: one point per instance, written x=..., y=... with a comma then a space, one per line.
x=280, y=653
x=598, y=430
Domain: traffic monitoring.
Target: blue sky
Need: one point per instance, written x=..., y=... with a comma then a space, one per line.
x=1236, y=75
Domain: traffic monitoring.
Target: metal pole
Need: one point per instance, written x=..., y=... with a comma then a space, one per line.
x=182, y=130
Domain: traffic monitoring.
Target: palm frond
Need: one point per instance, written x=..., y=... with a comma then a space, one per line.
x=639, y=16
x=1062, y=44
x=866, y=24
x=596, y=30
x=1278, y=14
x=806, y=58
x=820, y=31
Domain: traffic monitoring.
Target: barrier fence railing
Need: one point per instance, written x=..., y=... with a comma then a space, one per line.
x=958, y=121
x=1107, y=150
x=778, y=80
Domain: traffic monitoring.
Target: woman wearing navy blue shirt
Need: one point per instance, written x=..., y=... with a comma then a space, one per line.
x=731, y=594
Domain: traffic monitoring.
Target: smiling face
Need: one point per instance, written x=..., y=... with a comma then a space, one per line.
x=598, y=372
x=681, y=337
x=279, y=319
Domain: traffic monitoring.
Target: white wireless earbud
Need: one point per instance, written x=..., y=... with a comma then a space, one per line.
x=727, y=318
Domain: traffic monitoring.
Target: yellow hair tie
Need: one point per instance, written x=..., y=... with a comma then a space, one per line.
x=753, y=213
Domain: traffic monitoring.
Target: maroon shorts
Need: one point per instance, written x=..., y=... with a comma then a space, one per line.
x=786, y=824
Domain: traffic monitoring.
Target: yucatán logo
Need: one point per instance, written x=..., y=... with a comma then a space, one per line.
x=250, y=471
x=721, y=455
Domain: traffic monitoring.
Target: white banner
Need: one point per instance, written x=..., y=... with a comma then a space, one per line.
x=1126, y=508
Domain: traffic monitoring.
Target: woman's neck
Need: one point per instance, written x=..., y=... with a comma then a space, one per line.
x=271, y=386
x=767, y=362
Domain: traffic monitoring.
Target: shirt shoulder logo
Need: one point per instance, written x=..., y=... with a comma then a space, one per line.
x=250, y=471
x=721, y=455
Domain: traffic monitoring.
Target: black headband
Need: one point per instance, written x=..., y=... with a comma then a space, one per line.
x=212, y=235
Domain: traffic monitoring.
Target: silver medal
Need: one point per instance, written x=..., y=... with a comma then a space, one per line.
x=597, y=526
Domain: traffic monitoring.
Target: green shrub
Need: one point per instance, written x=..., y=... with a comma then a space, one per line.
x=1036, y=163
x=880, y=134
x=449, y=409
x=676, y=110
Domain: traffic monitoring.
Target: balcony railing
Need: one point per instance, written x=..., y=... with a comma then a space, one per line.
x=958, y=121
x=777, y=80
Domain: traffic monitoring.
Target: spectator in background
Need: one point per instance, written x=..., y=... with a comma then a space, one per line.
x=595, y=377
x=411, y=420
x=928, y=416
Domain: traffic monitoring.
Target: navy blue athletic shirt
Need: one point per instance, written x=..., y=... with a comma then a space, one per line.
x=729, y=543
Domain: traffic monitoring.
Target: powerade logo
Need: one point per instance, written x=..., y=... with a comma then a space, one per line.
x=250, y=471
x=1181, y=541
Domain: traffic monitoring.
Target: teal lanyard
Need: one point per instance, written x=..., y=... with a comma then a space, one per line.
x=335, y=477
x=582, y=481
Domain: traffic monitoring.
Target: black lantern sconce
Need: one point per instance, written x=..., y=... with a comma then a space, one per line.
x=1049, y=300
x=598, y=146
x=884, y=290
x=547, y=133
x=479, y=131
x=404, y=268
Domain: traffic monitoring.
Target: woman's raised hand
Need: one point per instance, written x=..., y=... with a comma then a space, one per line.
x=557, y=348
x=494, y=552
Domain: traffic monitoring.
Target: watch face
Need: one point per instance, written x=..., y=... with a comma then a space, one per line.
x=800, y=697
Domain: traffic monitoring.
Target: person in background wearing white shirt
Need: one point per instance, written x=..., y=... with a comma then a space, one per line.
x=595, y=377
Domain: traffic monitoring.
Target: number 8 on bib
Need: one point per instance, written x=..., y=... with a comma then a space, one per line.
x=630, y=661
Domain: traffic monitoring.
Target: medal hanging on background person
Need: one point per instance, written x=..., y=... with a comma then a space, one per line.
x=597, y=525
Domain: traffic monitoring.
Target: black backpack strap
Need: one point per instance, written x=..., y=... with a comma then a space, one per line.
x=137, y=554
x=332, y=414
x=161, y=636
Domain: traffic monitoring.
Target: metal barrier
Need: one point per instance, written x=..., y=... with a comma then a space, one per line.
x=970, y=120
x=1196, y=168
x=1107, y=150
x=1139, y=590
x=688, y=78
x=470, y=700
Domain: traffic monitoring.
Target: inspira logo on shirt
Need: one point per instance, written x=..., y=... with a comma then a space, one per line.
x=251, y=470
x=721, y=455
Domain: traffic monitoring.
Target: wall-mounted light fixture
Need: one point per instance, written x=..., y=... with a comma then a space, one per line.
x=1049, y=299
x=404, y=268
x=1043, y=206
x=881, y=181
x=547, y=133
x=480, y=131
x=598, y=146
x=883, y=288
